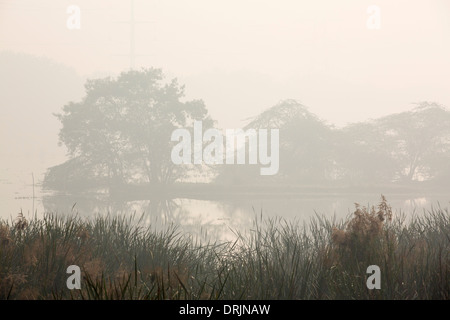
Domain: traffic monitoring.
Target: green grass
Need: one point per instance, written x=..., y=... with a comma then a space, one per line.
x=121, y=258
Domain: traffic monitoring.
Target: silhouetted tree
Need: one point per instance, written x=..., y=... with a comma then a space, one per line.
x=412, y=145
x=122, y=127
x=419, y=141
x=305, y=147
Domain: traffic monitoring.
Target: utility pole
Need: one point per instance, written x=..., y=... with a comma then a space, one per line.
x=132, y=29
x=32, y=177
x=132, y=22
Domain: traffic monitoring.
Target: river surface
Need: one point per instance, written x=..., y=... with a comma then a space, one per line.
x=207, y=219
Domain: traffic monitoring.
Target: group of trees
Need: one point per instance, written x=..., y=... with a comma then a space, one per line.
x=405, y=147
x=120, y=133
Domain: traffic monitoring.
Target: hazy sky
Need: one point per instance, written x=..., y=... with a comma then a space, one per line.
x=243, y=56
x=240, y=56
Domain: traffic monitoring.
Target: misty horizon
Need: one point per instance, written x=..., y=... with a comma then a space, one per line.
x=224, y=150
x=341, y=82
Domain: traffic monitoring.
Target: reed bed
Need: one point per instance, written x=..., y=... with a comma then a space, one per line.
x=122, y=258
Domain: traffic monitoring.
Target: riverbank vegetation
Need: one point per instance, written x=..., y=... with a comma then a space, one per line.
x=123, y=258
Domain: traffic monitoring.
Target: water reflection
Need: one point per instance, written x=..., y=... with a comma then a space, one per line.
x=219, y=220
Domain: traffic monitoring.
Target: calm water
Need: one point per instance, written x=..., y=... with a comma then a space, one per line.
x=207, y=219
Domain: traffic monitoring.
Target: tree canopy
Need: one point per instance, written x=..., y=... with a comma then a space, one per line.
x=305, y=146
x=404, y=147
x=120, y=131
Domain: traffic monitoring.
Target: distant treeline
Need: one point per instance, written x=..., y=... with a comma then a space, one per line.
x=119, y=134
